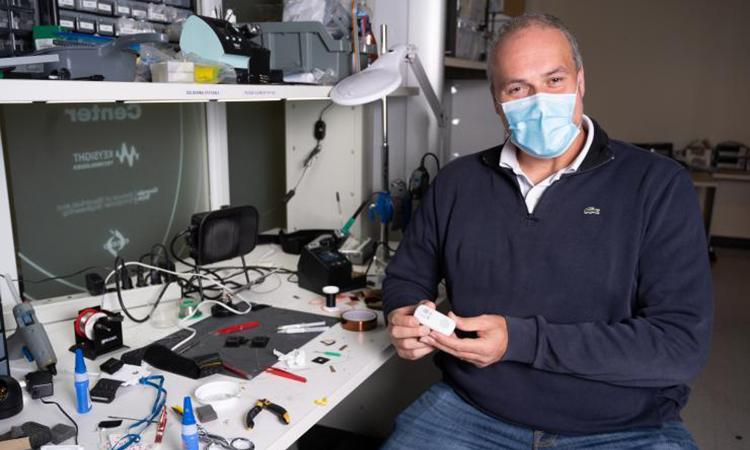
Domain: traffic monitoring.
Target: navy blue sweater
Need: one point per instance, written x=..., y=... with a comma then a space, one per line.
x=606, y=287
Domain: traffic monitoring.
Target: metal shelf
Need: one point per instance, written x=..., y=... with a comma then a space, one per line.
x=49, y=91
x=459, y=63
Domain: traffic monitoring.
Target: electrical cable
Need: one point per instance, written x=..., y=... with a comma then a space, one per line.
x=323, y=111
x=227, y=291
x=172, y=250
x=60, y=277
x=434, y=156
x=75, y=425
x=319, y=132
x=122, y=303
x=134, y=437
x=178, y=274
x=193, y=332
x=375, y=249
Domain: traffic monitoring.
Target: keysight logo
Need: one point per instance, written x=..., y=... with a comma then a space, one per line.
x=130, y=155
x=98, y=159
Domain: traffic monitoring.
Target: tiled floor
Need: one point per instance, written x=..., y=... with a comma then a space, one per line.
x=718, y=413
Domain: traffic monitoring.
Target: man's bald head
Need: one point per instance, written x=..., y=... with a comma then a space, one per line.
x=529, y=20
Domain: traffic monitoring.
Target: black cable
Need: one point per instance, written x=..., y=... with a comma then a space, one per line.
x=78, y=272
x=319, y=132
x=52, y=402
x=159, y=246
x=174, y=253
x=118, y=268
x=377, y=244
x=320, y=116
x=424, y=157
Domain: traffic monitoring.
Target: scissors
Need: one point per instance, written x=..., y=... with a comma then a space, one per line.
x=214, y=441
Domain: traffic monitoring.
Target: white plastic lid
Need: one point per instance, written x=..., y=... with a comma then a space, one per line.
x=331, y=290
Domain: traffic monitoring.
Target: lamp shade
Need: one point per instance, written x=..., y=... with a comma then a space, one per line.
x=377, y=81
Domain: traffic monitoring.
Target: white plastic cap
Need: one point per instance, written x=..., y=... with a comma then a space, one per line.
x=331, y=290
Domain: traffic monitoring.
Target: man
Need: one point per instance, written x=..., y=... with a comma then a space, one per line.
x=576, y=269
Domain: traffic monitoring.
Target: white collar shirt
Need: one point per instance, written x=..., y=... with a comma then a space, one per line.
x=533, y=192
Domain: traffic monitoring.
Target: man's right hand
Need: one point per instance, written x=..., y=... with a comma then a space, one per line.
x=405, y=331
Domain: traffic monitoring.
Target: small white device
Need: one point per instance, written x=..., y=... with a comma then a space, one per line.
x=435, y=320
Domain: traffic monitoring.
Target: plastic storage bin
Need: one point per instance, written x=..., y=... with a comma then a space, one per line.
x=106, y=27
x=68, y=21
x=106, y=7
x=87, y=5
x=22, y=20
x=300, y=47
x=85, y=25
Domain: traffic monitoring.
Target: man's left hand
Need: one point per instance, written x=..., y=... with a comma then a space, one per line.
x=487, y=348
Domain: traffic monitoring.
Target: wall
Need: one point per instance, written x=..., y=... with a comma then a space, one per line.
x=668, y=70
x=474, y=125
x=255, y=133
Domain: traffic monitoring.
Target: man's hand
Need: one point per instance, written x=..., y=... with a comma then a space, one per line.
x=487, y=348
x=405, y=332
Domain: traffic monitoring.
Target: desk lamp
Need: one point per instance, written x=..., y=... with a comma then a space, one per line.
x=376, y=82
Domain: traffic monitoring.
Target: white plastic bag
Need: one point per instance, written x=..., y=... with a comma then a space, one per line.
x=304, y=10
x=331, y=13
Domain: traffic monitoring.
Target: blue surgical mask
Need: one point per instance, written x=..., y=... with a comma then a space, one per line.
x=542, y=124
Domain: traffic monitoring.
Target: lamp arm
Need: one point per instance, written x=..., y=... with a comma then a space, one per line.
x=424, y=83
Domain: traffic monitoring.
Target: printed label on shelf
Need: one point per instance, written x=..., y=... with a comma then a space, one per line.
x=103, y=27
x=106, y=7
x=88, y=4
x=123, y=10
x=157, y=16
x=66, y=3
x=67, y=23
x=140, y=13
x=86, y=25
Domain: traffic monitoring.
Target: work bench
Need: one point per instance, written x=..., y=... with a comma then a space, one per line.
x=365, y=352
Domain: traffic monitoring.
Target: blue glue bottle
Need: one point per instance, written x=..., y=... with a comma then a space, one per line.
x=83, y=402
x=189, y=428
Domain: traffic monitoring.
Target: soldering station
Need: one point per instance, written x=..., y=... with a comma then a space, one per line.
x=327, y=266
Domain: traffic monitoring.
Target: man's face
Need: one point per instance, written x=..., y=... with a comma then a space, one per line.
x=534, y=60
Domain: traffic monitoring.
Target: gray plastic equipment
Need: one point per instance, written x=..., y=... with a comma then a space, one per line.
x=300, y=47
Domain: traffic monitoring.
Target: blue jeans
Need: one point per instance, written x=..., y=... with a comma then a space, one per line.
x=439, y=418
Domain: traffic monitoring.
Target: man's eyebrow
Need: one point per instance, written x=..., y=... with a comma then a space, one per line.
x=556, y=70
x=514, y=81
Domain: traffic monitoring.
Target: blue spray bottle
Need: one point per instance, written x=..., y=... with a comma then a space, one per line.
x=83, y=402
x=189, y=428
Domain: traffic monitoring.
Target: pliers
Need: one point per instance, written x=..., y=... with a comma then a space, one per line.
x=262, y=404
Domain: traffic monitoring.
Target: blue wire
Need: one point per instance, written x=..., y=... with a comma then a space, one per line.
x=156, y=382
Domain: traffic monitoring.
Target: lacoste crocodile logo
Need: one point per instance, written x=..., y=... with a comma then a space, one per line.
x=591, y=210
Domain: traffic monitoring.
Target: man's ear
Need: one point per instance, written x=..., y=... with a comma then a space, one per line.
x=495, y=103
x=581, y=82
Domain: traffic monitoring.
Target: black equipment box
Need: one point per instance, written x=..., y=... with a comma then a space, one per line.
x=321, y=264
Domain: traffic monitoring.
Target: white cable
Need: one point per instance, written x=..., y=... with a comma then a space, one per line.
x=268, y=291
x=193, y=332
x=185, y=275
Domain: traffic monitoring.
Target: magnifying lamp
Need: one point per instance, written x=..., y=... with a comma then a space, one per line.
x=376, y=82
x=383, y=77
